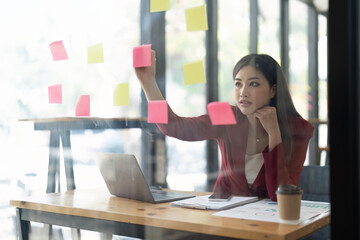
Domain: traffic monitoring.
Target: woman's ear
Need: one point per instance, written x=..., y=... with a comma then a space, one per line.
x=273, y=91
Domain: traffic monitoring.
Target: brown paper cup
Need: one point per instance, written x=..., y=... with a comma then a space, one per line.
x=289, y=206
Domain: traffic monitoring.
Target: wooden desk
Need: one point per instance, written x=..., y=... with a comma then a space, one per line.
x=97, y=210
x=60, y=129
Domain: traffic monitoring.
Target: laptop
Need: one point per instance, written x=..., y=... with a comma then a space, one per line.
x=124, y=178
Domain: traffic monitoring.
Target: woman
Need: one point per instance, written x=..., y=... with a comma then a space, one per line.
x=266, y=147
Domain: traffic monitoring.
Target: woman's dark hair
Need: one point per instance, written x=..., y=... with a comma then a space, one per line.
x=282, y=100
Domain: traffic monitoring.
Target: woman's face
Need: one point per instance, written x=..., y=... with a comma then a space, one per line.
x=252, y=90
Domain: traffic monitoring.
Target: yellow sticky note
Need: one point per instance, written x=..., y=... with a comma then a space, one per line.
x=194, y=73
x=96, y=54
x=121, y=95
x=159, y=5
x=196, y=18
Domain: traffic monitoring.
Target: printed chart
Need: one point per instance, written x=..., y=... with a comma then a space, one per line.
x=267, y=210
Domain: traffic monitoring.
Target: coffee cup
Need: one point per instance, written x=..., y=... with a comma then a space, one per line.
x=289, y=201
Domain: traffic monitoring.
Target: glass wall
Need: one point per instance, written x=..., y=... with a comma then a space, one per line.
x=27, y=70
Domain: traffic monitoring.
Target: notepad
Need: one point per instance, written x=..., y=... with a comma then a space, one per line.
x=58, y=51
x=142, y=56
x=194, y=73
x=159, y=5
x=221, y=113
x=158, y=111
x=55, y=93
x=196, y=19
x=82, y=108
x=203, y=202
x=121, y=95
x=95, y=54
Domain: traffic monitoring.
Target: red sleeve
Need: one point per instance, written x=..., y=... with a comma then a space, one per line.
x=276, y=170
x=190, y=128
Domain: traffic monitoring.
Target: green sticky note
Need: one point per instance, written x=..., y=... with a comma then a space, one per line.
x=121, y=95
x=194, y=73
x=196, y=18
x=96, y=54
x=159, y=5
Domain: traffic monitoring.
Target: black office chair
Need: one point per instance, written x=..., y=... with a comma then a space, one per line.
x=315, y=182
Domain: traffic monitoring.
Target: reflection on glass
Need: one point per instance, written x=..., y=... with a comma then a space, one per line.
x=269, y=28
x=184, y=47
x=233, y=38
x=298, y=56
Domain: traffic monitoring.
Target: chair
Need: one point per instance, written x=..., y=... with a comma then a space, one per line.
x=315, y=182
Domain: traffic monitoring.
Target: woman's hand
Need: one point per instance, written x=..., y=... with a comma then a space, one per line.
x=147, y=73
x=268, y=119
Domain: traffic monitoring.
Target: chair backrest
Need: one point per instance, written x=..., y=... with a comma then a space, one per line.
x=315, y=182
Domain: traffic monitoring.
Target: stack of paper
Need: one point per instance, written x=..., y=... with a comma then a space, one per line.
x=204, y=203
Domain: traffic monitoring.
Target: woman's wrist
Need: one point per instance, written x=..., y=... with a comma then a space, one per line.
x=151, y=90
x=274, y=138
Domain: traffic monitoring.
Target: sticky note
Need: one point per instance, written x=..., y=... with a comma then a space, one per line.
x=196, y=18
x=142, y=56
x=159, y=5
x=83, y=106
x=194, y=73
x=310, y=107
x=95, y=54
x=221, y=113
x=58, y=51
x=121, y=94
x=55, y=93
x=158, y=111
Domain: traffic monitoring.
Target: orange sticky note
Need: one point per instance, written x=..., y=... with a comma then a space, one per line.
x=221, y=113
x=159, y=5
x=196, y=18
x=142, y=56
x=121, y=95
x=158, y=111
x=83, y=106
x=55, y=93
x=58, y=51
x=194, y=73
x=95, y=54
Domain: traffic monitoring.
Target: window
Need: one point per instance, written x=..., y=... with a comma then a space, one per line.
x=233, y=42
x=184, y=173
x=28, y=69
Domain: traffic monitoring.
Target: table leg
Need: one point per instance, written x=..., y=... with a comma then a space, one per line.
x=23, y=226
x=68, y=160
x=54, y=162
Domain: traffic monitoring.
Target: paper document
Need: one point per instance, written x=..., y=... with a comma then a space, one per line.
x=204, y=203
x=268, y=211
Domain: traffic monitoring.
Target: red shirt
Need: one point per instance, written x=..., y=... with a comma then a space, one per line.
x=232, y=140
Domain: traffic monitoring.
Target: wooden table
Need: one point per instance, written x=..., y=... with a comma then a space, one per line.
x=60, y=129
x=97, y=210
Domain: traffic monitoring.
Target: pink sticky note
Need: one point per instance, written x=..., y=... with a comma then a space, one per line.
x=55, y=93
x=83, y=106
x=221, y=113
x=58, y=51
x=158, y=111
x=142, y=56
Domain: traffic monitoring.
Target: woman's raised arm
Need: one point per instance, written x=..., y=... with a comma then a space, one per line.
x=146, y=76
